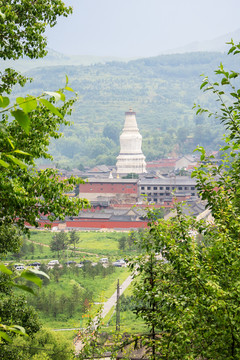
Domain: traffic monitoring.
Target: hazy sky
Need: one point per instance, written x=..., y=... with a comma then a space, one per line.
x=131, y=28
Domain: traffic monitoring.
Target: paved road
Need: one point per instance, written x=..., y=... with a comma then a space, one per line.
x=112, y=300
x=106, y=308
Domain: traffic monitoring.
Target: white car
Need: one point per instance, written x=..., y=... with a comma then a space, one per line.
x=104, y=260
x=19, y=267
x=53, y=262
x=119, y=263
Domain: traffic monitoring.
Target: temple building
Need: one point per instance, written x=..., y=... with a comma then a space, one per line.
x=131, y=158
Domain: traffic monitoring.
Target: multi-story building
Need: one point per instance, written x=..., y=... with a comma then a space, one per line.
x=161, y=189
x=105, y=192
x=110, y=191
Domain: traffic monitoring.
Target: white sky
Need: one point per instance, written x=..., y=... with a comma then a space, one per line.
x=132, y=28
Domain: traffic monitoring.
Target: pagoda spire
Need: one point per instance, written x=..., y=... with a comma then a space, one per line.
x=131, y=158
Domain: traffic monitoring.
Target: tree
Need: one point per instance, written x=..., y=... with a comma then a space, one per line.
x=26, y=128
x=59, y=242
x=44, y=345
x=112, y=132
x=122, y=241
x=23, y=24
x=190, y=298
x=74, y=238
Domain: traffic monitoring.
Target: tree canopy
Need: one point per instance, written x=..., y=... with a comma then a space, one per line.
x=23, y=24
x=190, y=297
x=26, y=126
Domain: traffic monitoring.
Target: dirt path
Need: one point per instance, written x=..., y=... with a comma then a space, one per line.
x=76, y=251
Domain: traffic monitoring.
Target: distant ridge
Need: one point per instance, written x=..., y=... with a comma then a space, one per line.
x=55, y=58
x=218, y=44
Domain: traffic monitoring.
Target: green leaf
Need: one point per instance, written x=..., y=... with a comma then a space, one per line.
x=21, y=152
x=16, y=161
x=24, y=288
x=4, y=163
x=51, y=107
x=28, y=104
x=5, y=336
x=66, y=80
x=18, y=329
x=38, y=272
x=11, y=143
x=62, y=95
x=234, y=95
x=233, y=75
x=30, y=276
x=23, y=119
x=224, y=81
x=2, y=15
x=232, y=49
x=69, y=89
x=5, y=270
x=203, y=84
x=54, y=94
x=4, y=101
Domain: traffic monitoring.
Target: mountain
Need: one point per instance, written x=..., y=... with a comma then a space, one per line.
x=162, y=90
x=218, y=44
x=54, y=58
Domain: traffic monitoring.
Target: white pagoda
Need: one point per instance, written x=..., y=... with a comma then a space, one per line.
x=131, y=158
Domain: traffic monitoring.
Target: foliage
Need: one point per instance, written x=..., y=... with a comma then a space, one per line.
x=22, y=26
x=74, y=238
x=63, y=303
x=26, y=127
x=122, y=242
x=189, y=299
x=129, y=243
x=59, y=242
x=44, y=345
x=10, y=239
x=25, y=192
x=161, y=90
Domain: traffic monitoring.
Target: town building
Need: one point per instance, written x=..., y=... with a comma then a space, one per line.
x=131, y=158
x=163, y=191
x=159, y=190
x=104, y=192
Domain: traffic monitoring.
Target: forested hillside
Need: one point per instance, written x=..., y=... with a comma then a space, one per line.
x=162, y=90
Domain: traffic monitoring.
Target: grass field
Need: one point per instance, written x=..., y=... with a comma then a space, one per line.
x=92, y=246
x=92, y=242
x=101, y=288
x=89, y=240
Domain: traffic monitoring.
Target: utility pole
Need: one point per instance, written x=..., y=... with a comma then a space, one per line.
x=118, y=308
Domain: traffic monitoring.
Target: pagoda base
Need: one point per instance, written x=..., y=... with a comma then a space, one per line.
x=127, y=164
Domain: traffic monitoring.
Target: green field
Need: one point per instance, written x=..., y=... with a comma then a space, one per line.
x=91, y=245
x=96, y=289
x=90, y=241
x=73, y=294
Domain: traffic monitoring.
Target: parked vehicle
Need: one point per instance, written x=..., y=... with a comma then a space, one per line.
x=119, y=263
x=19, y=267
x=70, y=262
x=16, y=265
x=53, y=262
x=79, y=265
x=35, y=264
x=104, y=260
